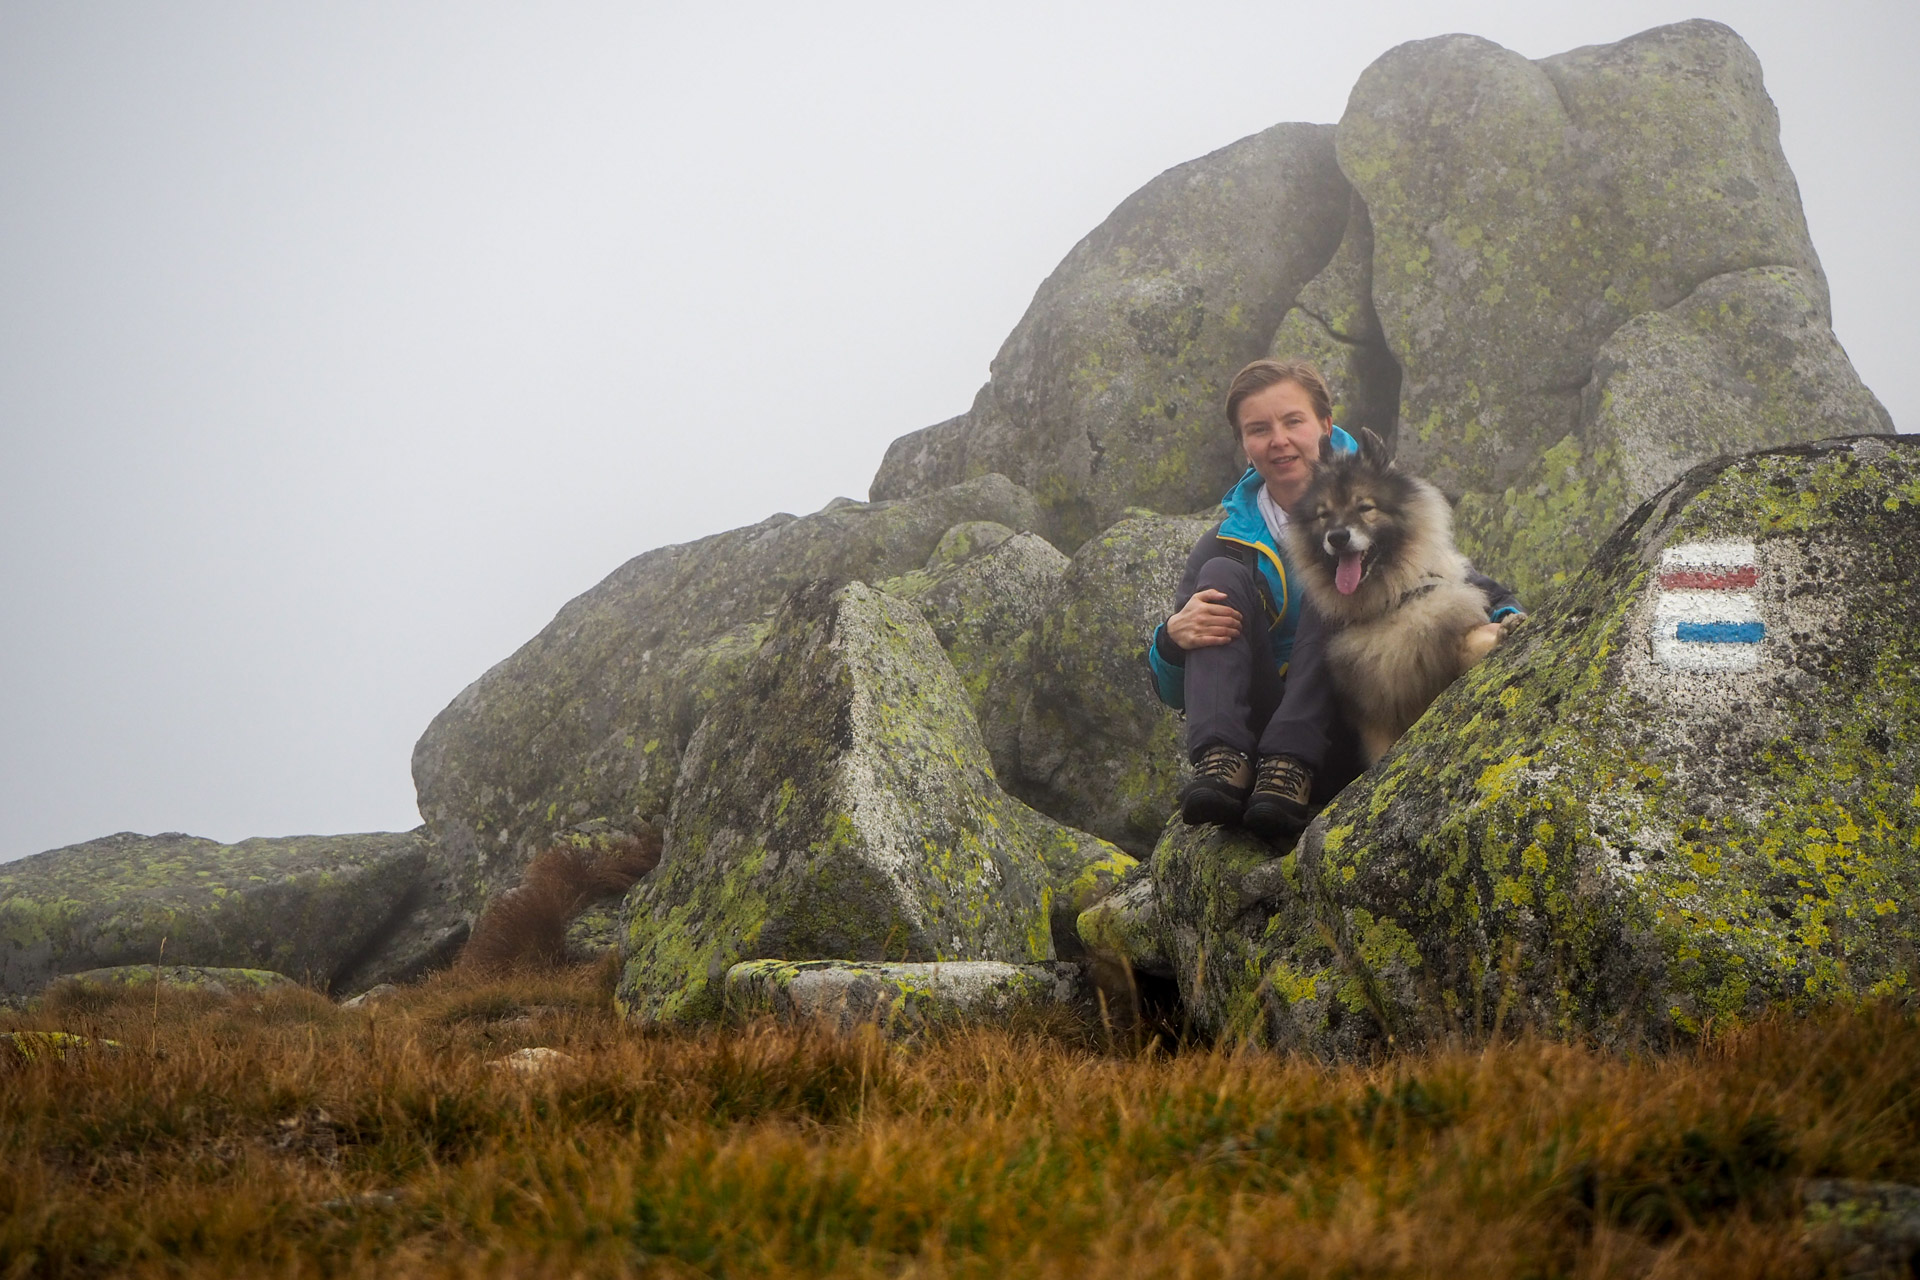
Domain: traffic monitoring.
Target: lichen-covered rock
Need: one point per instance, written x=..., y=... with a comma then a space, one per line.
x=308, y=906
x=983, y=594
x=20, y=1048
x=1522, y=213
x=1333, y=324
x=840, y=804
x=1863, y=1228
x=213, y=980
x=1686, y=790
x=1107, y=394
x=589, y=718
x=1126, y=926
x=900, y=998
x=1098, y=750
x=595, y=931
x=1747, y=360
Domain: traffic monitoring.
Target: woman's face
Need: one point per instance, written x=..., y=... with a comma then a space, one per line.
x=1282, y=438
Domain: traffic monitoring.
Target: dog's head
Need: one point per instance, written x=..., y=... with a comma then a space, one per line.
x=1356, y=516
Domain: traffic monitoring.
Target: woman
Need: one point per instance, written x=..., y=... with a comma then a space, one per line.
x=1242, y=653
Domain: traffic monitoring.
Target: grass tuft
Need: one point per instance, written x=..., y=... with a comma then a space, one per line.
x=277, y=1133
x=526, y=927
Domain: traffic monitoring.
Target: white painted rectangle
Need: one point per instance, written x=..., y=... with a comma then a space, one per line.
x=1713, y=553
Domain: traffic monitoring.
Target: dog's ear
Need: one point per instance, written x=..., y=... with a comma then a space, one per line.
x=1327, y=452
x=1373, y=450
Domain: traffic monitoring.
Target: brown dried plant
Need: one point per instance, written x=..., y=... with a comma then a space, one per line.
x=526, y=927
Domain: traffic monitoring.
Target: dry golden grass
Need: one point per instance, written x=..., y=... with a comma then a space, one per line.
x=279, y=1135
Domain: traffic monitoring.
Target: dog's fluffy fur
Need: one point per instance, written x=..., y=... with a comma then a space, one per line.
x=1405, y=621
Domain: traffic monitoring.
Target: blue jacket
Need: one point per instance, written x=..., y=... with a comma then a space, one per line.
x=1244, y=534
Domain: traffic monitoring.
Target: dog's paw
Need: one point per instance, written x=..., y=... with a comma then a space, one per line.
x=1480, y=642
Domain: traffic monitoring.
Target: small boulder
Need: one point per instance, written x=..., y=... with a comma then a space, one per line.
x=532, y=1062
x=1863, y=1228
x=841, y=803
x=1126, y=928
x=900, y=998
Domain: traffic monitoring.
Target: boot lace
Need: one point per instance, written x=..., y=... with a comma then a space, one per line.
x=1283, y=775
x=1219, y=763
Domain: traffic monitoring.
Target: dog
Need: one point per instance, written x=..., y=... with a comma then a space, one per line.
x=1374, y=547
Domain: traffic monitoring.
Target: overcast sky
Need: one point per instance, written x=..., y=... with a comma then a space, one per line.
x=340, y=344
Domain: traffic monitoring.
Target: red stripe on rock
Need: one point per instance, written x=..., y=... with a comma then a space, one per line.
x=1709, y=579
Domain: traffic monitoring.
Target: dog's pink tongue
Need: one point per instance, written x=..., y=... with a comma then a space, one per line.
x=1346, y=579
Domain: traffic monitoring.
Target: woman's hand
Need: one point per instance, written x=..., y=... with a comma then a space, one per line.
x=1204, y=620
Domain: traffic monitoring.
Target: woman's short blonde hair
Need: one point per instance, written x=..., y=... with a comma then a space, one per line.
x=1262, y=374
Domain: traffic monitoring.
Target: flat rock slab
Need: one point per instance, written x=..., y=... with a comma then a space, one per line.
x=307, y=906
x=211, y=979
x=899, y=998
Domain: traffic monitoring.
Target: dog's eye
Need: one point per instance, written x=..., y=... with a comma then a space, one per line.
x=1365, y=508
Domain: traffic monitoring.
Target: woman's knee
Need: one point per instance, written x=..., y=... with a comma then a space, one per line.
x=1228, y=575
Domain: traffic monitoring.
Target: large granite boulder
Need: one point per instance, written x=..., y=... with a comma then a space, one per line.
x=1333, y=323
x=1686, y=790
x=1522, y=213
x=1107, y=394
x=839, y=804
x=589, y=718
x=1098, y=749
x=310, y=907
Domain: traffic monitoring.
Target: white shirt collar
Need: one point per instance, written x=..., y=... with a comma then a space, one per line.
x=1271, y=512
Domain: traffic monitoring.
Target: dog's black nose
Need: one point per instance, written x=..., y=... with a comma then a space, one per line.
x=1338, y=538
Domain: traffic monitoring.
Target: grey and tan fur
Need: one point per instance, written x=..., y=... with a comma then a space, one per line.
x=1408, y=623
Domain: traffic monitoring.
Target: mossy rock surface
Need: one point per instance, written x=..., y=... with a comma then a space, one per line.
x=983, y=591
x=1524, y=212
x=1107, y=394
x=22, y=1048
x=1745, y=361
x=1098, y=749
x=588, y=719
x=900, y=999
x=1126, y=926
x=306, y=906
x=211, y=979
x=1611, y=829
x=840, y=804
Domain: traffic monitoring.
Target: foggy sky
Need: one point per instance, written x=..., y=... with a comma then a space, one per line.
x=340, y=344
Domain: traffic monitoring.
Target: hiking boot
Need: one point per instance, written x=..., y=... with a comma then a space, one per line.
x=1218, y=789
x=1282, y=786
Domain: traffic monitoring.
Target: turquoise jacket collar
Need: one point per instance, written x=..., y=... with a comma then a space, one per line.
x=1242, y=502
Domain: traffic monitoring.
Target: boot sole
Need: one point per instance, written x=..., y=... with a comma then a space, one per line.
x=1268, y=820
x=1199, y=808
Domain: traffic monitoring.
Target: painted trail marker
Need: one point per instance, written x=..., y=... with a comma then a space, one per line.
x=1707, y=615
